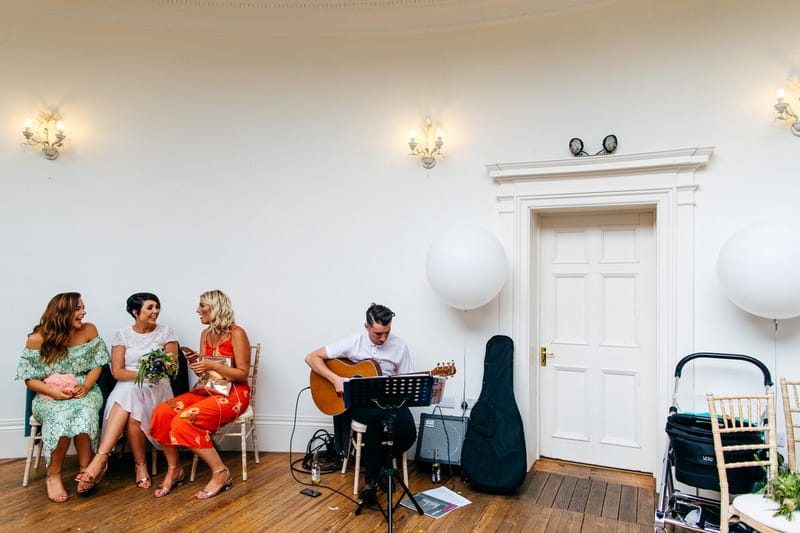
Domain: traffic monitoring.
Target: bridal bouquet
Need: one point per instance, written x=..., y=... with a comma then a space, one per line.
x=155, y=365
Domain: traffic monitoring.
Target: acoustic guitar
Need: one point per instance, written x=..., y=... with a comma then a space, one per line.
x=331, y=403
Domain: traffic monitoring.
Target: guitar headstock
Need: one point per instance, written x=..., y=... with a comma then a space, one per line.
x=444, y=369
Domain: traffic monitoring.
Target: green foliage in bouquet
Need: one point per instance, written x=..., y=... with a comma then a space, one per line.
x=155, y=365
x=785, y=489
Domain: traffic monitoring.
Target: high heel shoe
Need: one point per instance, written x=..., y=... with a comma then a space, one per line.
x=205, y=494
x=56, y=499
x=145, y=482
x=87, y=483
x=163, y=489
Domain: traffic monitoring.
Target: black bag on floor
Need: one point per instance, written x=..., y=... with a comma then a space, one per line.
x=493, y=458
x=692, y=448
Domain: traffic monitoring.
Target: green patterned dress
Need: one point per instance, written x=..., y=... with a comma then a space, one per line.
x=67, y=418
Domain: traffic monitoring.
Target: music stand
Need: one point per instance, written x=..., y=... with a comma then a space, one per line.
x=390, y=393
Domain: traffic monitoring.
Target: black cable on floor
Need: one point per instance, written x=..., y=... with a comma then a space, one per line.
x=293, y=469
x=447, y=439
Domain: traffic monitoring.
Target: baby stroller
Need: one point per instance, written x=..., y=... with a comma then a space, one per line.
x=690, y=459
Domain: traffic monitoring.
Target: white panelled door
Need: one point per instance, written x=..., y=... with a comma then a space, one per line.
x=597, y=323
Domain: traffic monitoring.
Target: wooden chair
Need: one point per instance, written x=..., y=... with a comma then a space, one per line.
x=790, y=392
x=739, y=415
x=355, y=441
x=246, y=422
x=35, y=446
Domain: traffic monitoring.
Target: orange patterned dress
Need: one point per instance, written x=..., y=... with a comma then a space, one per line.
x=192, y=418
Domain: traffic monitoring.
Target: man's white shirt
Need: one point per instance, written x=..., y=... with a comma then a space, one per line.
x=392, y=356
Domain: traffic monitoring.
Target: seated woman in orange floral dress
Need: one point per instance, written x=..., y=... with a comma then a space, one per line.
x=191, y=419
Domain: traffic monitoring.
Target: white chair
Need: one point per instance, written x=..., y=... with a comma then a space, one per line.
x=35, y=446
x=740, y=415
x=355, y=441
x=246, y=422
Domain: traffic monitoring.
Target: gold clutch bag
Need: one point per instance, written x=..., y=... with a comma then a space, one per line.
x=214, y=382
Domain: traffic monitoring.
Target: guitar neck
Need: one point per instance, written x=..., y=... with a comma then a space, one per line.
x=422, y=373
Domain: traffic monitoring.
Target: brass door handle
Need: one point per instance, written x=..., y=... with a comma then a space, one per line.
x=543, y=355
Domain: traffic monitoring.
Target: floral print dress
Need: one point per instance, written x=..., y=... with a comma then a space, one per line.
x=192, y=418
x=66, y=418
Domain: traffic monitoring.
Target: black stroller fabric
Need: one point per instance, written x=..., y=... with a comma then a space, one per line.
x=493, y=457
x=692, y=449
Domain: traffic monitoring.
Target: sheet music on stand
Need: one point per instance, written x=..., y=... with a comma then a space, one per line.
x=413, y=390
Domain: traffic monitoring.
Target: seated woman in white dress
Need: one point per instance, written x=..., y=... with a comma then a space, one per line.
x=129, y=405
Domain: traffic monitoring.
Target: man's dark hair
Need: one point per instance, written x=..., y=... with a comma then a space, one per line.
x=380, y=314
x=135, y=301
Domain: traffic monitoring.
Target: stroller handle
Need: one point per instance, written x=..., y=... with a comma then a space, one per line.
x=733, y=356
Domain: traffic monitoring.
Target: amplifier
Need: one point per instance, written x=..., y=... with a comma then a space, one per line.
x=435, y=433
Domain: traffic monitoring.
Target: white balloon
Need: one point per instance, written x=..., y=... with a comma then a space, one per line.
x=467, y=267
x=759, y=268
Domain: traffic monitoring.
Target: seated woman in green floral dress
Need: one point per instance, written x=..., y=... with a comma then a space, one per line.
x=61, y=362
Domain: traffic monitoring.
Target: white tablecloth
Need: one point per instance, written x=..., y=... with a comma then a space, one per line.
x=761, y=509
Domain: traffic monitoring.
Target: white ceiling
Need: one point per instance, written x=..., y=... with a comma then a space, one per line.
x=303, y=16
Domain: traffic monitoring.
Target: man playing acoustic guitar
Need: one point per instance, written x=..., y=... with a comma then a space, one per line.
x=391, y=354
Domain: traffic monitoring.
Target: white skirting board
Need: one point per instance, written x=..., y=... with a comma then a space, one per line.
x=273, y=434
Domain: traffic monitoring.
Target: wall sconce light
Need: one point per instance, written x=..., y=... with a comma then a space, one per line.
x=427, y=148
x=785, y=110
x=42, y=134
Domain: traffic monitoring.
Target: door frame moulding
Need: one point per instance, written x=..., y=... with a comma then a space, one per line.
x=663, y=182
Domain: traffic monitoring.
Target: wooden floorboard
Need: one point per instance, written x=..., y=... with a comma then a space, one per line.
x=628, y=504
x=550, y=490
x=597, y=493
x=534, y=520
x=646, y=505
x=536, y=486
x=611, y=501
x=623, y=477
x=564, y=494
x=580, y=495
x=557, y=497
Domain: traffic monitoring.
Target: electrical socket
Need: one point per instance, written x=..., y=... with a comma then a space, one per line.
x=448, y=402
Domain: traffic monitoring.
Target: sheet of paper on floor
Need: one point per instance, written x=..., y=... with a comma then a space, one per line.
x=443, y=493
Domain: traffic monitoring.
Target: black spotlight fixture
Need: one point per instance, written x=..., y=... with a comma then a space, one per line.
x=609, y=145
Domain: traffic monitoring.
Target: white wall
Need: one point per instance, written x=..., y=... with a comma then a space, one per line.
x=275, y=168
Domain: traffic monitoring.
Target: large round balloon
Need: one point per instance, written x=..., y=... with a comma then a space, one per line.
x=467, y=267
x=759, y=268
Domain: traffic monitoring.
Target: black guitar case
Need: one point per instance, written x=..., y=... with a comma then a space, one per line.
x=493, y=457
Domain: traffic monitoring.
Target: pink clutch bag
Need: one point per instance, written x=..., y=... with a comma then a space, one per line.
x=65, y=382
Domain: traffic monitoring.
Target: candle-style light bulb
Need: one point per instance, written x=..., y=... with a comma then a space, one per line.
x=439, y=134
x=780, y=94
x=28, y=123
x=60, y=127
x=412, y=134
